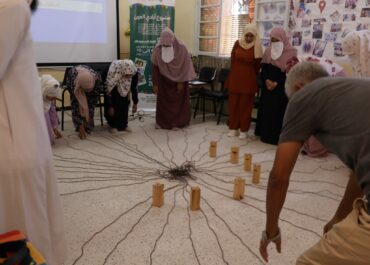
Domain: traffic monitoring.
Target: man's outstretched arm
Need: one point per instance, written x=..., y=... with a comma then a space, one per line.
x=286, y=156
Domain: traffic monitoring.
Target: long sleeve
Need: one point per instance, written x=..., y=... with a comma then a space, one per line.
x=155, y=75
x=257, y=65
x=14, y=25
x=134, y=92
x=232, y=58
x=53, y=115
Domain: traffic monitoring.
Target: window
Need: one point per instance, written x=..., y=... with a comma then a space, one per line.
x=221, y=24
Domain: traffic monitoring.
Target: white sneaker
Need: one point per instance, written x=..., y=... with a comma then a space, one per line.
x=233, y=133
x=113, y=130
x=128, y=129
x=243, y=135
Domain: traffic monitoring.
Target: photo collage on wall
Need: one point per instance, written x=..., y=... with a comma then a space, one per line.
x=320, y=25
x=271, y=14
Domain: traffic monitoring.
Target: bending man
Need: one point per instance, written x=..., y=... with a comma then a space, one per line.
x=340, y=122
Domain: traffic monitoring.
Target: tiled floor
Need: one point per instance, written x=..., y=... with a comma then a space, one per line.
x=106, y=187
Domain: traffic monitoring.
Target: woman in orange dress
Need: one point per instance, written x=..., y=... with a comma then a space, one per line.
x=242, y=80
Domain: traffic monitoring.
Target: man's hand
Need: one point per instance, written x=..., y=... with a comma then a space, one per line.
x=265, y=241
x=134, y=108
x=82, y=132
x=155, y=90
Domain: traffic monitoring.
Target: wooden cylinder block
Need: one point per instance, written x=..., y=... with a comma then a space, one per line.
x=213, y=149
x=248, y=162
x=195, y=199
x=234, y=155
x=256, y=173
x=158, y=195
x=239, y=188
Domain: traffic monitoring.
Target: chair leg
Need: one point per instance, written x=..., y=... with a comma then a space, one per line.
x=101, y=111
x=196, y=108
x=214, y=107
x=220, y=112
x=62, y=126
x=204, y=108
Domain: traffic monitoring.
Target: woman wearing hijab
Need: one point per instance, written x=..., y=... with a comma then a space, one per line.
x=122, y=78
x=83, y=85
x=356, y=45
x=273, y=100
x=312, y=147
x=50, y=91
x=172, y=69
x=242, y=80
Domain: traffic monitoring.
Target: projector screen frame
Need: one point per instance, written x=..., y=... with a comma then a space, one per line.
x=45, y=65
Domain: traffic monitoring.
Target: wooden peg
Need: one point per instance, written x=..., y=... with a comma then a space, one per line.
x=256, y=173
x=195, y=199
x=158, y=195
x=213, y=149
x=248, y=162
x=239, y=188
x=234, y=155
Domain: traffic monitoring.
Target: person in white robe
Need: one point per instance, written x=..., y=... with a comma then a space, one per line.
x=29, y=198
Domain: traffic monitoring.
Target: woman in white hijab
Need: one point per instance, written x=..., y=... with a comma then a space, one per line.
x=50, y=91
x=122, y=78
x=242, y=80
x=356, y=45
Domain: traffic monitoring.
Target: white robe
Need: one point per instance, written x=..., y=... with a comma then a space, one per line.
x=29, y=199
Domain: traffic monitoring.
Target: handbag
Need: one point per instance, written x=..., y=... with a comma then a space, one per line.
x=15, y=249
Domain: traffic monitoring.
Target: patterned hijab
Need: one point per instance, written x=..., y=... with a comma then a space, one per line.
x=180, y=69
x=332, y=68
x=288, y=51
x=251, y=28
x=50, y=88
x=84, y=82
x=356, y=45
x=120, y=75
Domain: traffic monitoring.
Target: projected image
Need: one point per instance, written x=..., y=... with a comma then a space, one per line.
x=85, y=21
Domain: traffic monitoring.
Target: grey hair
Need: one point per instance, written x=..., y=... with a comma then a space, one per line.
x=302, y=74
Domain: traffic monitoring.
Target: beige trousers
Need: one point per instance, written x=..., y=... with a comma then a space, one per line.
x=347, y=243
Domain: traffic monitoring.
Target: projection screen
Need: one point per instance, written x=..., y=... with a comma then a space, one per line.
x=75, y=31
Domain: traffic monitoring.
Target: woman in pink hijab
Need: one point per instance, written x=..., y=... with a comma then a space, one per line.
x=83, y=85
x=172, y=69
x=273, y=100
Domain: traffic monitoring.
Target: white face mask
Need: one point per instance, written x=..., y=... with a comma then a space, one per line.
x=276, y=49
x=167, y=54
x=355, y=62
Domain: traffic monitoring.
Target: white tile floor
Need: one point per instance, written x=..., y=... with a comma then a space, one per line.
x=106, y=183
